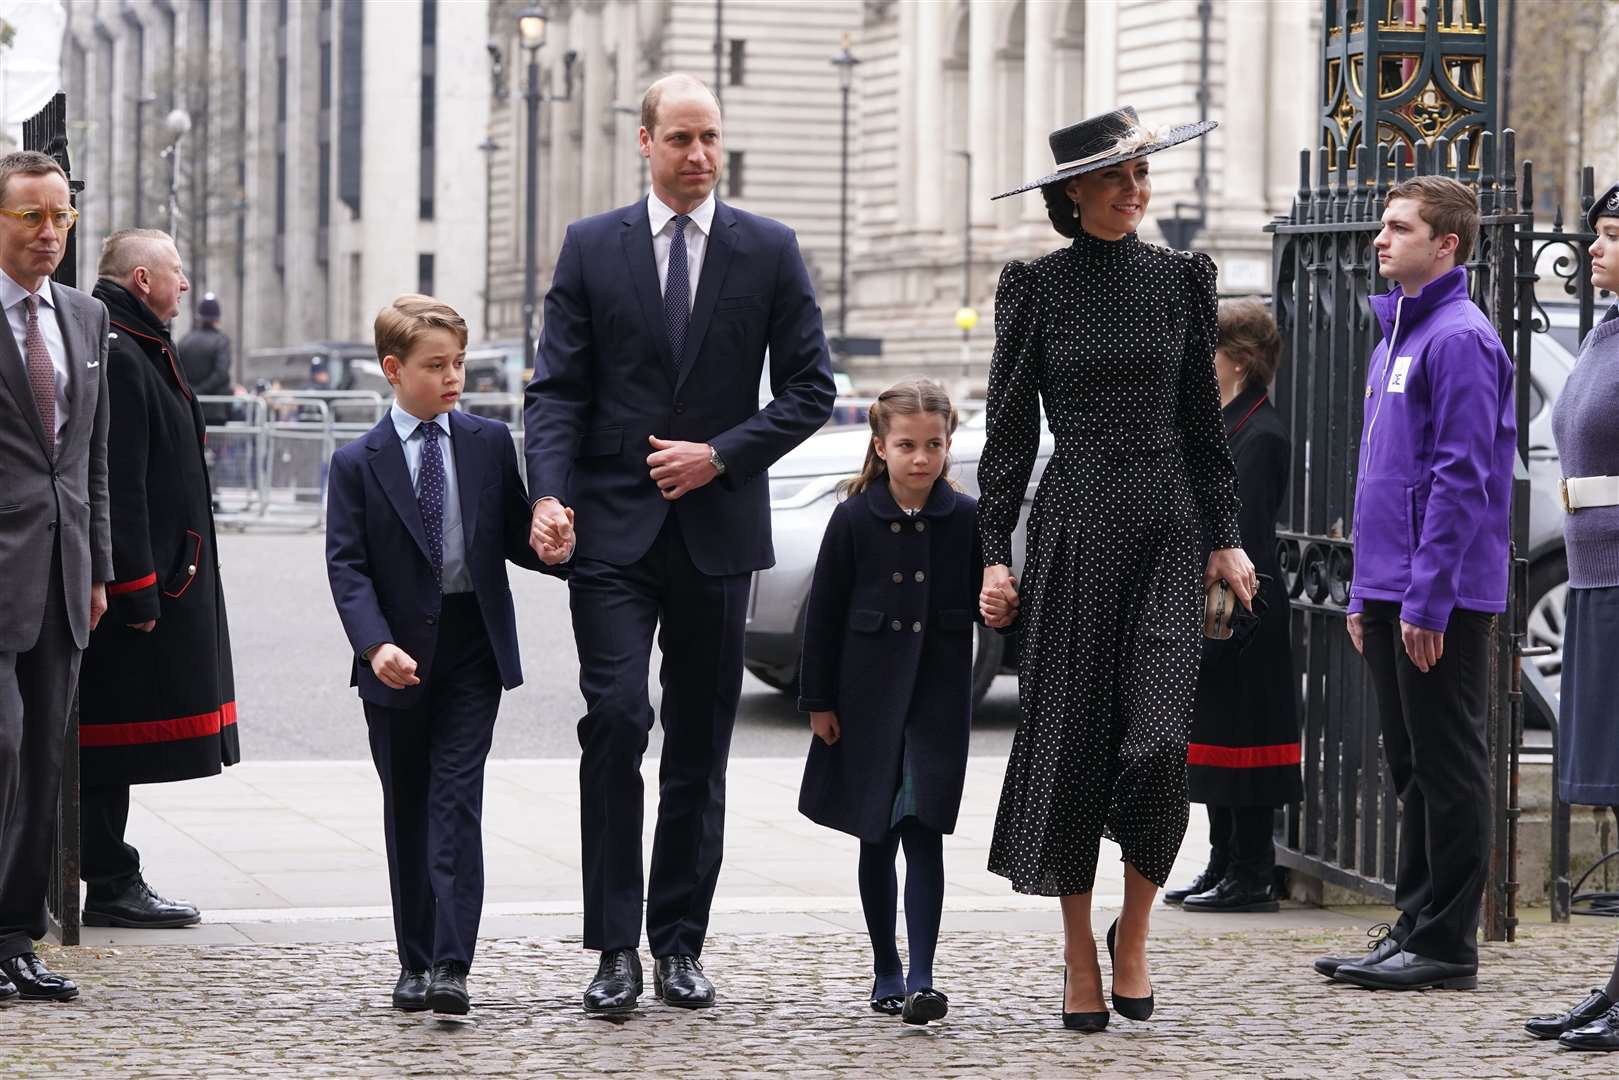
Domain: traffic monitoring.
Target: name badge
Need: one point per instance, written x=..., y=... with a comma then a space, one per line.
x=1402, y=366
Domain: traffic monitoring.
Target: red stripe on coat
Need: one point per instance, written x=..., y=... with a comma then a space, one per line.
x=1243, y=757
x=159, y=731
x=118, y=588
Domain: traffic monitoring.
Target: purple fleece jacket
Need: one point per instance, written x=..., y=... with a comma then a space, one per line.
x=1431, y=528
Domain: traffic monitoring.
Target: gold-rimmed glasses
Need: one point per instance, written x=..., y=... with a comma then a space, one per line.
x=34, y=218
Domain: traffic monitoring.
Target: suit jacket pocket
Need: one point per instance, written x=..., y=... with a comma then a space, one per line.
x=865, y=621
x=601, y=442
x=736, y=303
x=183, y=570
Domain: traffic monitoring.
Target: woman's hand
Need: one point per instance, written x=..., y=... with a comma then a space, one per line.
x=998, y=601
x=825, y=726
x=1237, y=569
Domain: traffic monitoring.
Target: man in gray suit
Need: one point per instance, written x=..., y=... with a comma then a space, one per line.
x=55, y=541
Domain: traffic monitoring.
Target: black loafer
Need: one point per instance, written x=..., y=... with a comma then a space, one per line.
x=1205, y=881
x=1408, y=971
x=679, y=981
x=617, y=985
x=889, y=1005
x=1232, y=895
x=924, y=1006
x=139, y=908
x=1382, y=947
x=410, y=992
x=35, y=981
x=1550, y=1027
x=447, y=988
x=1600, y=1034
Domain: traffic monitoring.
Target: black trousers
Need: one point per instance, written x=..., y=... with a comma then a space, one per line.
x=36, y=692
x=1241, y=843
x=109, y=863
x=1433, y=737
x=430, y=759
x=699, y=620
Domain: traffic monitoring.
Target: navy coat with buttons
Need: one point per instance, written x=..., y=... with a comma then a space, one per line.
x=888, y=646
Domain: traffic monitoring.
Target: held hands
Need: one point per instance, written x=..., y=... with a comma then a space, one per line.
x=998, y=601
x=825, y=727
x=1424, y=647
x=393, y=667
x=1237, y=569
x=679, y=467
x=98, y=603
x=551, y=533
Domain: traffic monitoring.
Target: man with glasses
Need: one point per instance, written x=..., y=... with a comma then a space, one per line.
x=55, y=541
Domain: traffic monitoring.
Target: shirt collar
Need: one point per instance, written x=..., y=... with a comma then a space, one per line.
x=406, y=424
x=12, y=293
x=660, y=214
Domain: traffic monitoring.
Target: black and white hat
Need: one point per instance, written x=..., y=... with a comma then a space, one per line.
x=1607, y=205
x=1104, y=141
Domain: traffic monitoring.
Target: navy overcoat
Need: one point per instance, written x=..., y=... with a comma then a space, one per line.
x=888, y=646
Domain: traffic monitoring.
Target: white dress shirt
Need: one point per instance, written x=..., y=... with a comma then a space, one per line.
x=12, y=296
x=663, y=233
x=456, y=577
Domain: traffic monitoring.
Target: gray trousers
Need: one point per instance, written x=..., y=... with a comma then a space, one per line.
x=36, y=692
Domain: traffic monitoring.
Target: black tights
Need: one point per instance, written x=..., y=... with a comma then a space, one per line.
x=924, y=901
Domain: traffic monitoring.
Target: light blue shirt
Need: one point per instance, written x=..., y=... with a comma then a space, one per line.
x=12, y=296
x=456, y=577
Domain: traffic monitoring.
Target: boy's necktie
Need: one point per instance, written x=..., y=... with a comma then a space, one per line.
x=677, y=291
x=430, y=497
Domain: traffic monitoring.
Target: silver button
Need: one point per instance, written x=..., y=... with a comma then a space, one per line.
x=893, y=526
x=191, y=571
x=898, y=577
x=895, y=624
x=920, y=576
x=921, y=526
x=916, y=628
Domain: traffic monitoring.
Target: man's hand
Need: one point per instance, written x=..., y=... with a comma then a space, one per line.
x=551, y=533
x=1423, y=646
x=679, y=467
x=1357, y=629
x=1237, y=569
x=98, y=603
x=825, y=726
x=394, y=667
x=144, y=627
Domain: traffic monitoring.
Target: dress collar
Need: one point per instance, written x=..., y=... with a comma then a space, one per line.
x=659, y=215
x=406, y=424
x=1094, y=249
x=941, y=500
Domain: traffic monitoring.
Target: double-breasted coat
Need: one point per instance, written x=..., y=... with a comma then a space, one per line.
x=1244, y=746
x=888, y=646
x=160, y=705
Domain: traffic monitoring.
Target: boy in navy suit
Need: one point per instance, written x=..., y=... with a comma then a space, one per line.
x=422, y=514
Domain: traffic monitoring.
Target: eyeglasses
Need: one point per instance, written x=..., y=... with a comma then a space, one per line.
x=34, y=220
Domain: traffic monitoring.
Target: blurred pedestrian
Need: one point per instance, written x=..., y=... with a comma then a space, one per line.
x=205, y=357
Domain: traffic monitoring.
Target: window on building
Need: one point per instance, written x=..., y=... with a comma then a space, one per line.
x=424, y=273
x=739, y=51
x=733, y=174
x=429, y=110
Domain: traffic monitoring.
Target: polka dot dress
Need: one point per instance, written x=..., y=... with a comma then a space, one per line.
x=1117, y=338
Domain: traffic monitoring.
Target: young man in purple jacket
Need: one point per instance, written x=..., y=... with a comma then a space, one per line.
x=1431, y=538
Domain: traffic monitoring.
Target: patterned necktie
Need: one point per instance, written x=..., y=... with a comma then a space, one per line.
x=430, y=497
x=677, y=291
x=41, y=374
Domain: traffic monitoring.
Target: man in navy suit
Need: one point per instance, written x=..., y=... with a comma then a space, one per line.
x=422, y=514
x=645, y=440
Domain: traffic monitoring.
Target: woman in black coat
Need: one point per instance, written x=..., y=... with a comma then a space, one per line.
x=887, y=679
x=1243, y=756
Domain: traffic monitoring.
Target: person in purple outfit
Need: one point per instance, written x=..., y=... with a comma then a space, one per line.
x=1431, y=534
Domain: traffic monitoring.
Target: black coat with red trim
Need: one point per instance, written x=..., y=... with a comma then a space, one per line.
x=156, y=705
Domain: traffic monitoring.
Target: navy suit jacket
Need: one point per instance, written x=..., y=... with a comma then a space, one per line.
x=376, y=549
x=605, y=380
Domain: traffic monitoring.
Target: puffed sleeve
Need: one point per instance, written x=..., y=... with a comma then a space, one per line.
x=1013, y=431
x=1208, y=455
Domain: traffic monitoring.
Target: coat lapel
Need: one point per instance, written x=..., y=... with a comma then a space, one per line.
x=716, y=261
x=469, y=452
x=387, y=455
x=14, y=374
x=637, y=241
x=75, y=335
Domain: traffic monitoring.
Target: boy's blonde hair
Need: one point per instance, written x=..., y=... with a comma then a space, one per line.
x=400, y=325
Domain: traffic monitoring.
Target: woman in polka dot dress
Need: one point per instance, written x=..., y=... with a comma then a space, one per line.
x=1116, y=337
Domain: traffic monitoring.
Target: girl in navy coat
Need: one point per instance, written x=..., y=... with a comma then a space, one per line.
x=887, y=679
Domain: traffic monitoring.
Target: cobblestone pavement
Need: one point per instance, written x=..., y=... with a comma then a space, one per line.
x=1230, y=1005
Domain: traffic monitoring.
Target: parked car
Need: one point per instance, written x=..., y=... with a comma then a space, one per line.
x=803, y=491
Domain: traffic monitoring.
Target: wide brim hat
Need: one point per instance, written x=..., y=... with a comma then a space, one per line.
x=1607, y=205
x=1106, y=140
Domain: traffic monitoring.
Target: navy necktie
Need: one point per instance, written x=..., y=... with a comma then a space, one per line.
x=677, y=291
x=430, y=497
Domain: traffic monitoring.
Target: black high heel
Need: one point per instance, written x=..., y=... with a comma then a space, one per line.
x=1088, y=1022
x=1131, y=1008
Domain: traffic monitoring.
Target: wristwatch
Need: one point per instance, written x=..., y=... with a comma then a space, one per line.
x=715, y=460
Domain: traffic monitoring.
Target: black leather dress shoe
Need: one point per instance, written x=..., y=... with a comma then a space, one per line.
x=410, y=992
x=1408, y=971
x=447, y=988
x=679, y=981
x=8, y=989
x=139, y=908
x=1550, y=1027
x=1382, y=947
x=36, y=982
x=1205, y=881
x=1600, y=1034
x=617, y=985
x=1232, y=895
x=925, y=1005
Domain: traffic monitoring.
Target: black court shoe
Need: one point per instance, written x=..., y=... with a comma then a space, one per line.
x=1549, y=1027
x=1088, y=1022
x=1131, y=1008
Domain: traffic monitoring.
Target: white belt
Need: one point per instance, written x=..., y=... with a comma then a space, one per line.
x=1584, y=492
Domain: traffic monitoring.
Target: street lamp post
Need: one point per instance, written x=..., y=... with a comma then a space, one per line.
x=178, y=123
x=966, y=314
x=844, y=62
x=488, y=148
x=531, y=32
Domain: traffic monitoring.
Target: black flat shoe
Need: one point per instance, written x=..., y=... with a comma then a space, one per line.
x=1384, y=945
x=139, y=908
x=1231, y=895
x=890, y=1005
x=679, y=981
x=1550, y=1027
x=1205, y=881
x=1131, y=1008
x=410, y=992
x=1600, y=1034
x=35, y=981
x=447, y=989
x=1087, y=1022
x=925, y=1005
x=617, y=985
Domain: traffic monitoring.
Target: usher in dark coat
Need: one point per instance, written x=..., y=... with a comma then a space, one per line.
x=1244, y=748
x=156, y=706
x=888, y=646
